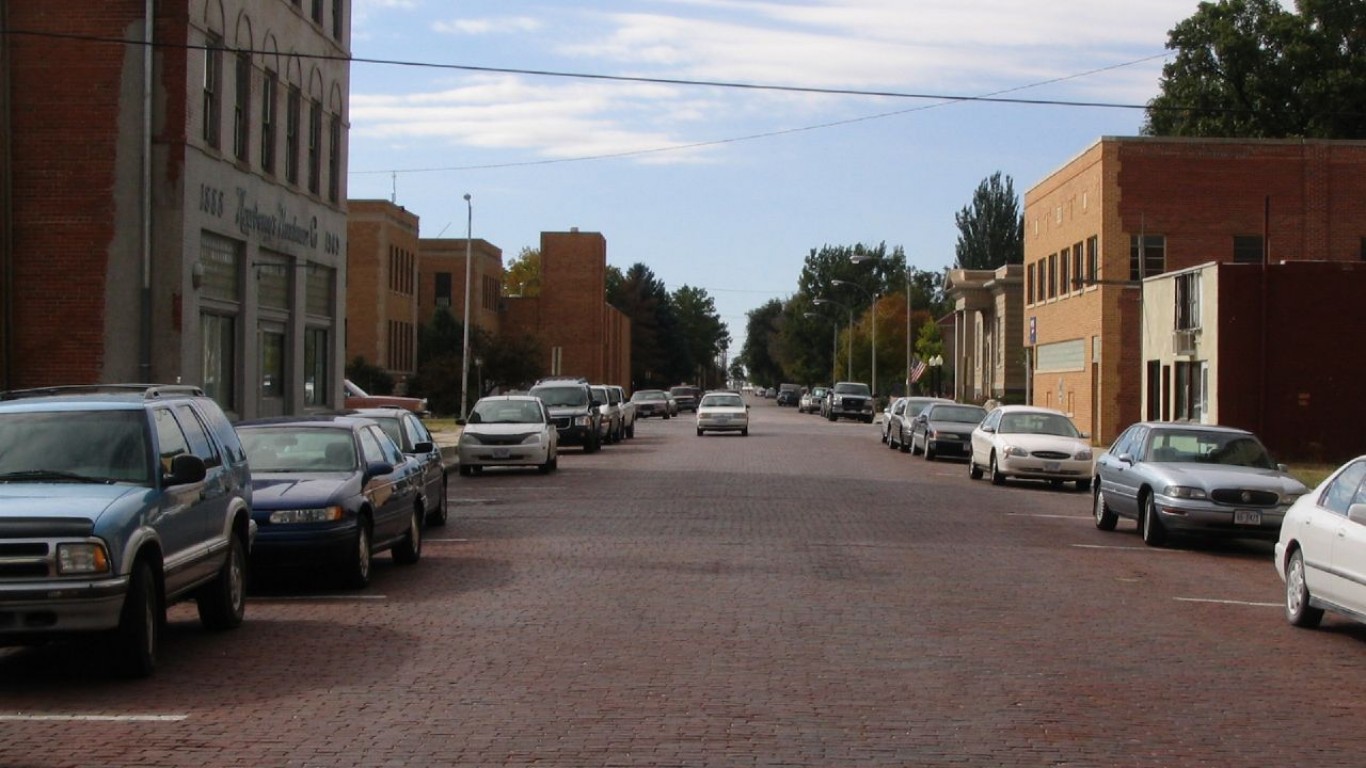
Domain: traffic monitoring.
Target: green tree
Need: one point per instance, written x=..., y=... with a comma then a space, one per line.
x=761, y=337
x=1253, y=69
x=440, y=344
x=509, y=361
x=703, y=336
x=369, y=377
x=991, y=227
x=522, y=276
x=642, y=297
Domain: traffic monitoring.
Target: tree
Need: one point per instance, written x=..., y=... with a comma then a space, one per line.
x=761, y=334
x=990, y=228
x=1253, y=69
x=440, y=345
x=703, y=335
x=369, y=377
x=523, y=274
x=642, y=297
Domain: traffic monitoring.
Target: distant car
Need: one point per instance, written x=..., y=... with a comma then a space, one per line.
x=573, y=409
x=944, y=429
x=804, y=403
x=849, y=400
x=355, y=397
x=686, y=396
x=722, y=412
x=650, y=403
x=1032, y=443
x=331, y=491
x=1321, y=551
x=413, y=438
x=509, y=431
x=788, y=394
x=894, y=408
x=817, y=399
x=1176, y=477
x=614, y=426
x=899, y=423
x=628, y=410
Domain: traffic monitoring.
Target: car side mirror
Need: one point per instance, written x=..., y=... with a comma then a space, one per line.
x=1357, y=513
x=423, y=447
x=988, y=429
x=1127, y=458
x=185, y=469
x=1283, y=469
x=1084, y=435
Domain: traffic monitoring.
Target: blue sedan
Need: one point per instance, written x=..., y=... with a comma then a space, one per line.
x=331, y=490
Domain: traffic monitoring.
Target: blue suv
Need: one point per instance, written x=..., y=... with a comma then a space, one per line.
x=116, y=501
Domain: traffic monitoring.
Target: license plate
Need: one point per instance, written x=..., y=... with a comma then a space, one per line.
x=501, y=453
x=1052, y=466
x=1247, y=517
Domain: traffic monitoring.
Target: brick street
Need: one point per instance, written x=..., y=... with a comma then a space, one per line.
x=799, y=597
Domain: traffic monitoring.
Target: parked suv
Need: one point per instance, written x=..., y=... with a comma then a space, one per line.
x=687, y=396
x=850, y=400
x=574, y=410
x=115, y=502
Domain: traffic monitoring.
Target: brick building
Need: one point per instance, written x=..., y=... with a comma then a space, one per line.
x=382, y=279
x=442, y=268
x=175, y=212
x=1127, y=209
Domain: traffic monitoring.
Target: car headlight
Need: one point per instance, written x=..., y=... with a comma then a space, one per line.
x=1015, y=450
x=533, y=439
x=583, y=421
x=1290, y=498
x=1184, y=492
x=83, y=557
x=468, y=438
x=315, y=515
x=1083, y=455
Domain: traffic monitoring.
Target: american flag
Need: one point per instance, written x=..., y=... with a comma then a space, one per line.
x=917, y=371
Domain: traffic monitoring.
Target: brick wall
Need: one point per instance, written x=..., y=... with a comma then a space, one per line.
x=376, y=299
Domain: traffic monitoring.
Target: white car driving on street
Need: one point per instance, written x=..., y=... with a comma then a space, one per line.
x=722, y=412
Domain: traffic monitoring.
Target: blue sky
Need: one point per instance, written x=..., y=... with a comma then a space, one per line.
x=672, y=175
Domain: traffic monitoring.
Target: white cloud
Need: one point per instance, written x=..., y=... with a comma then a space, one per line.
x=487, y=26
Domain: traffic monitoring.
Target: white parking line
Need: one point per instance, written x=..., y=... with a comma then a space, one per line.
x=20, y=717
x=1225, y=602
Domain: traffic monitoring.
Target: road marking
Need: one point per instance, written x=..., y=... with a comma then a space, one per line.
x=1061, y=517
x=1225, y=602
x=94, y=718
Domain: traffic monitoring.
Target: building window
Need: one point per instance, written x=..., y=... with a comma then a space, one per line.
x=292, y=116
x=318, y=11
x=1064, y=284
x=1052, y=280
x=1188, y=301
x=337, y=17
x=219, y=337
x=1363, y=249
x=1029, y=284
x=1154, y=260
x=272, y=360
x=273, y=288
x=241, y=107
x=442, y=296
x=1092, y=258
x=402, y=344
x=269, y=85
x=315, y=140
x=1247, y=249
x=316, y=354
x=334, y=158
x=1192, y=390
x=1078, y=276
x=213, y=81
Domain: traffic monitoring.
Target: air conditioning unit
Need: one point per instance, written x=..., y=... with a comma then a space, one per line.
x=1183, y=341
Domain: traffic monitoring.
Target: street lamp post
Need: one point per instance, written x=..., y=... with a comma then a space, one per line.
x=910, y=278
x=936, y=363
x=469, y=270
x=849, y=347
x=872, y=308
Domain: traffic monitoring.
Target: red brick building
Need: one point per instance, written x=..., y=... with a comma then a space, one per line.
x=381, y=286
x=1127, y=209
x=175, y=213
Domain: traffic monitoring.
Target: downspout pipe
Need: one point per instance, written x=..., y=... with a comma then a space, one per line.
x=6, y=204
x=148, y=61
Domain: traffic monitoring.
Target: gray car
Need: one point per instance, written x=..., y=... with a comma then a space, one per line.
x=1175, y=477
x=944, y=429
x=900, y=418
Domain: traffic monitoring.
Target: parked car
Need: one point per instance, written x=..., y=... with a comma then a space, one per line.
x=897, y=424
x=894, y=407
x=118, y=501
x=673, y=404
x=789, y=394
x=817, y=399
x=509, y=431
x=1321, y=550
x=722, y=412
x=331, y=491
x=628, y=409
x=686, y=396
x=944, y=428
x=613, y=425
x=355, y=397
x=1024, y=441
x=849, y=400
x=650, y=403
x=1192, y=478
x=412, y=437
x=573, y=410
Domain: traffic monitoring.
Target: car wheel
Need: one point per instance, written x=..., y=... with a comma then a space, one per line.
x=1154, y=535
x=356, y=572
x=890, y=441
x=223, y=602
x=138, y=637
x=631, y=431
x=928, y=451
x=545, y=466
x=907, y=444
x=409, y=549
x=744, y=432
x=437, y=517
x=887, y=437
x=831, y=417
x=996, y=477
x=974, y=471
x=591, y=444
x=699, y=431
x=1105, y=517
x=915, y=450
x=666, y=417
x=1084, y=485
x=465, y=470
x=1298, y=611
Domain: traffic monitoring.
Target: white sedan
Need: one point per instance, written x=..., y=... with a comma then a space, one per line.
x=722, y=412
x=1321, y=553
x=1033, y=443
x=508, y=431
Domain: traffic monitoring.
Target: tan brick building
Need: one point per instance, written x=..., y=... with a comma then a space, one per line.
x=175, y=213
x=442, y=268
x=381, y=286
x=1126, y=209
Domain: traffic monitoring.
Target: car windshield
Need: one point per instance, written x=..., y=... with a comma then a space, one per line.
x=1231, y=449
x=684, y=391
x=75, y=446
x=722, y=401
x=851, y=389
x=506, y=412
x=648, y=394
x=295, y=449
x=967, y=414
x=561, y=397
x=1037, y=424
